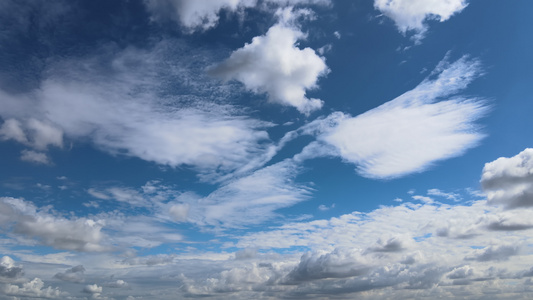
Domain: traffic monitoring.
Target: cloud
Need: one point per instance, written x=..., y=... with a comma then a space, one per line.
x=32, y=289
x=8, y=269
x=393, y=244
x=35, y=157
x=340, y=263
x=129, y=111
x=119, y=283
x=151, y=260
x=74, y=274
x=121, y=194
x=93, y=289
x=273, y=64
x=450, y=196
x=411, y=15
x=34, y=133
x=251, y=199
x=411, y=132
x=24, y=219
x=12, y=129
x=509, y=181
x=204, y=14
x=501, y=252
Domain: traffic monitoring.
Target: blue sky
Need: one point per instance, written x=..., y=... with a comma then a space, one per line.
x=266, y=149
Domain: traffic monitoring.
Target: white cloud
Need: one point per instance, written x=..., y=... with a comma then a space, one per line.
x=80, y=234
x=323, y=207
x=411, y=132
x=12, y=129
x=449, y=196
x=34, y=133
x=204, y=14
x=412, y=14
x=200, y=138
x=8, y=269
x=94, y=290
x=251, y=199
x=509, y=181
x=123, y=114
x=339, y=263
x=273, y=64
x=119, y=283
x=32, y=289
x=179, y=212
x=35, y=157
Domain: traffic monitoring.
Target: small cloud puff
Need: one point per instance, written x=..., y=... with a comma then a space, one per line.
x=273, y=64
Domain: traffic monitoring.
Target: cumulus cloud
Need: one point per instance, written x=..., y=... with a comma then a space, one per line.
x=32, y=289
x=8, y=269
x=411, y=132
x=273, y=64
x=411, y=15
x=74, y=274
x=340, y=263
x=509, y=181
x=24, y=219
x=93, y=289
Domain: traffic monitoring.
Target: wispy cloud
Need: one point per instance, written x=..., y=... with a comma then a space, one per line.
x=408, y=134
x=125, y=111
x=202, y=15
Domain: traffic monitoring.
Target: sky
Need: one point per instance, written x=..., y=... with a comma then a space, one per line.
x=266, y=149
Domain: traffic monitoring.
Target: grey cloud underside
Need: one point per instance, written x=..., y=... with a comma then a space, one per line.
x=509, y=181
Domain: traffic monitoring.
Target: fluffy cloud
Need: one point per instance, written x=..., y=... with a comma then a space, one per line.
x=509, y=181
x=339, y=263
x=273, y=64
x=32, y=289
x=24, y=219
x=412, y=14
x=92, y=288
x=409, y=133
x=8, y=269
